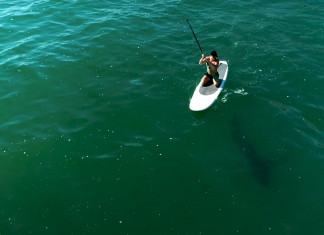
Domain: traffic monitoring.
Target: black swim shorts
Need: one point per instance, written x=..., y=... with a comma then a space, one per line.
x=211, y=76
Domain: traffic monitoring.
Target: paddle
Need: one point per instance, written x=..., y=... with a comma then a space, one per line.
x=195, y=36
x=211, y=66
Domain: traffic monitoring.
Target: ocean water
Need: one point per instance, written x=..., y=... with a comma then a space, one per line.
x=96, y=134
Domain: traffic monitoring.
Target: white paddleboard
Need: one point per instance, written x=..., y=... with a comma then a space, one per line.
x=204, y=97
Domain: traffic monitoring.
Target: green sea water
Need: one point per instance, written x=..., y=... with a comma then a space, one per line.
x=96, y=134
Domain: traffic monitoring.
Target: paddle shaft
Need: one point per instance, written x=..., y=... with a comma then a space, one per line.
x=195, y=37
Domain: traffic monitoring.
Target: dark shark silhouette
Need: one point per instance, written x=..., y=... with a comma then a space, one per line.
x=258, y=166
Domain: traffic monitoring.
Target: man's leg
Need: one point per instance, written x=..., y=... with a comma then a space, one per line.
x=204, y=80
x=215, y=83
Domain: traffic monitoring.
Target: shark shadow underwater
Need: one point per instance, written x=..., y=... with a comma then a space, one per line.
x=259, y=166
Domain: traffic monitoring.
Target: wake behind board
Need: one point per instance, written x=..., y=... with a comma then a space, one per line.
x=204, y=97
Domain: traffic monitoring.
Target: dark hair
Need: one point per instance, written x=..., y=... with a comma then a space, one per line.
x=214, y=54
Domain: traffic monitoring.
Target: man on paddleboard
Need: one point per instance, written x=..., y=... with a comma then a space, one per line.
x=212, y=74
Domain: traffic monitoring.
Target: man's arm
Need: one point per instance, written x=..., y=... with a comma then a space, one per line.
x=203, y=59
x=212, y=65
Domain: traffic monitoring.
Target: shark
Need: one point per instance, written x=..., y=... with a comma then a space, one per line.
x=258, y=165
